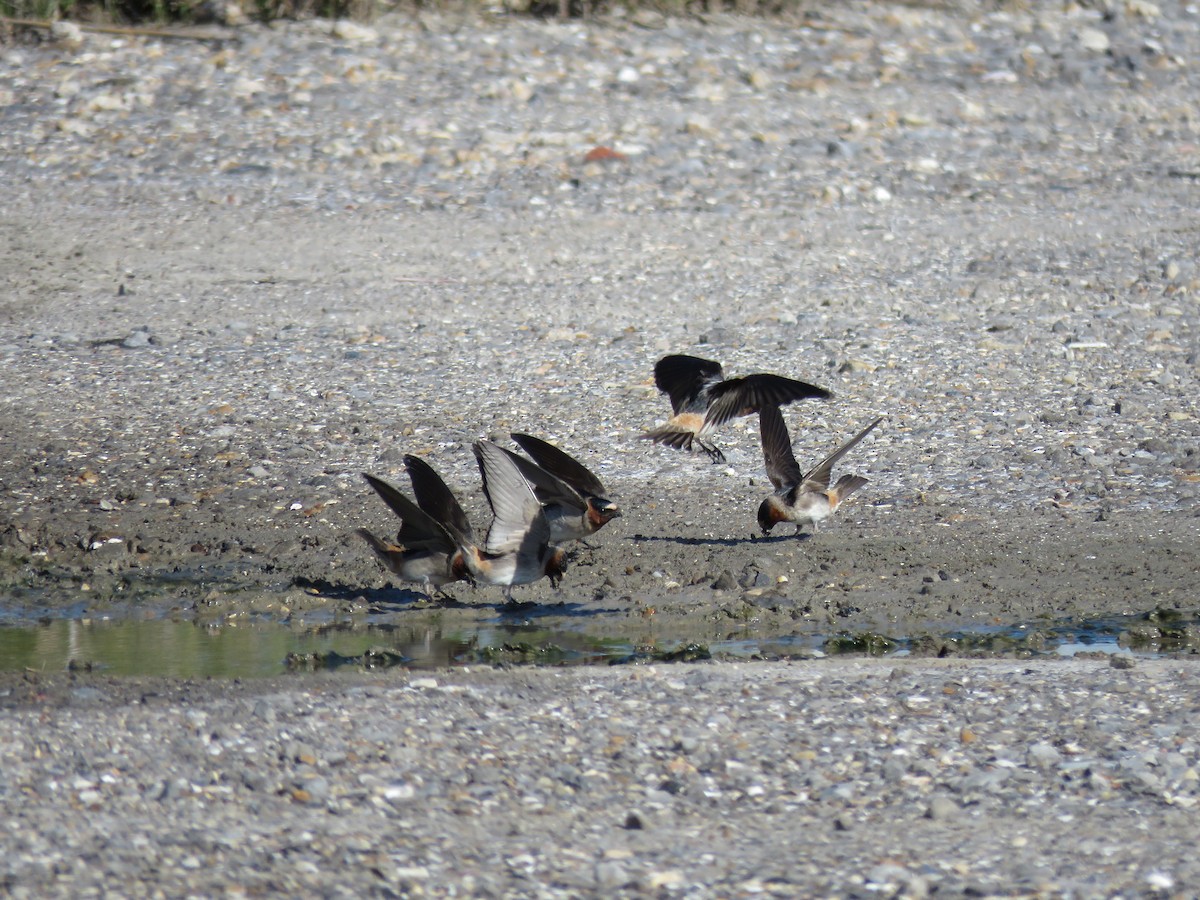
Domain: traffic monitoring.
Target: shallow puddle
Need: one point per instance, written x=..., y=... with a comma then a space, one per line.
x=183, y=648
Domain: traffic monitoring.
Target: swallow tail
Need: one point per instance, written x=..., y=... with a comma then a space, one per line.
x=377, y=545
x=846, y=485
x=381, y=548
x=671, y=437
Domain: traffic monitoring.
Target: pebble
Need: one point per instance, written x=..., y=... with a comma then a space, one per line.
x=1095, y=40
x=136, y=340
x=941, y=808
x=1043, y=755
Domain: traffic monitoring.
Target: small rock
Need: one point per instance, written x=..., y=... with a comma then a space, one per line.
x=136, y=340
x=668, y=878
x=1142, y=9
x=317, y=788
x=1042, y=755
x=299, y=752
x=611, y=874
x=648, y=18
x=888, y=874
x=400, y=792
x=1094, y=39
x=66, y=34
x=843, y=149
x=942, y=808
x=348, y=30
x=725, y=582
x=758, y=80
x=253, y=780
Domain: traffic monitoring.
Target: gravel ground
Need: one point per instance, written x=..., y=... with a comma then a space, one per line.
x=239, y=272
x=844, y=779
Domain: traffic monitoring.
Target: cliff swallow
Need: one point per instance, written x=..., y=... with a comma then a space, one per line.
x=517, y=549
x=424, y=553
x=572, y=498
x=702, y=400
x=798, y=498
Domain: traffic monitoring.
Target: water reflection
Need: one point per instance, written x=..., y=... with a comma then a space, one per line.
x=187, y=649
x=184, y=649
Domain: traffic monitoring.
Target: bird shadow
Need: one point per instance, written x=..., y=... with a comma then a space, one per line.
x=377, y=597
x=380, y=599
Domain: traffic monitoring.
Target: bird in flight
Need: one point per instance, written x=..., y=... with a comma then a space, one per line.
x=703, y=399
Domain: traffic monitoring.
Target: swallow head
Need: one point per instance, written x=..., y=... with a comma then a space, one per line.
x=600, y=511
x=768, y=515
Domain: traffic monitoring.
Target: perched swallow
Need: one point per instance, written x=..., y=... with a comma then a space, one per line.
x=572, y=498
x=798, y=498
x=424, y=553
x=702, y=400
x=517, y=549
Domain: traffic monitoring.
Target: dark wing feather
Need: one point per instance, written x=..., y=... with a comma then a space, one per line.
x=818, y=477
x=686, y=380
x=436, y=498
x=561, y=465
x=671, y=437
x=548, y=487
x=751, y=393
x=418, y=530
x=782, y=468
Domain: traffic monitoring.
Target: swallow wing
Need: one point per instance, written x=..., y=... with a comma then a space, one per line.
x=561, y=465
x=751, y=393
x=435, y=498
x=687, y=380
x=517, y=519
x=818, y=476
x=782, y=468
x=547, y=487
x=418, y=529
